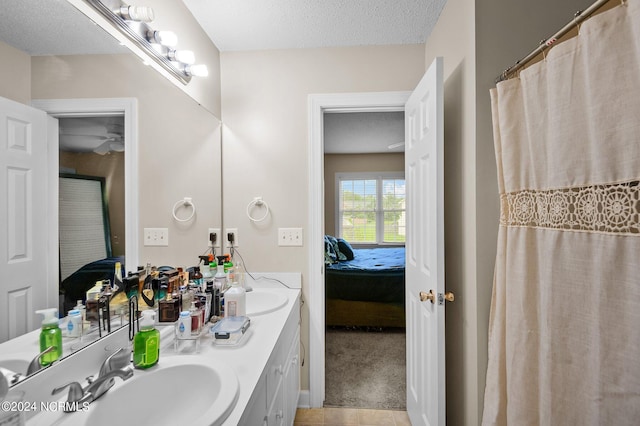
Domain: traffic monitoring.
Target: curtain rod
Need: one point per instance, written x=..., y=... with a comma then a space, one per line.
x=579, y=16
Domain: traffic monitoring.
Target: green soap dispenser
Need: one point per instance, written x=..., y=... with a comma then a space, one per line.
x=50, y=336
x=146, y=344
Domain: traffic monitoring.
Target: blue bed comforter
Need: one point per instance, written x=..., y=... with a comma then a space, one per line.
x=374, y=275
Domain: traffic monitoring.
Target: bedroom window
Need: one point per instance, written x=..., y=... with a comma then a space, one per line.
x=371, y=208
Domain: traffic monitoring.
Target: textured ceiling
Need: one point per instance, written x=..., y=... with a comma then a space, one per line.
x=363, y=132
x=282, y=24
x=52, y=27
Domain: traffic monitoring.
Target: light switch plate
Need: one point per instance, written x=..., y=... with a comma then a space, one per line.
x=290, y=237
x=156, y=236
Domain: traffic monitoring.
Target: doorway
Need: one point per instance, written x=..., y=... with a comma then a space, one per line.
x=318, y=106
x=364, y=317
x=126, y=108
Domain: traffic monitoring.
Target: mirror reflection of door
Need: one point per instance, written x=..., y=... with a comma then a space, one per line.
x=91, y=214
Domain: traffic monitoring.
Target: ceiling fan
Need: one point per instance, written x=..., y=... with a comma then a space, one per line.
x=115, y=143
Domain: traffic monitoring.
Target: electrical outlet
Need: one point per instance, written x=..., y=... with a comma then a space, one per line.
x=290, y=237
x=236, y=240
x=156, y=236
x=215, y=231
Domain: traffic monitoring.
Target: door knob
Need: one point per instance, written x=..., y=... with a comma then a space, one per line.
x=424, y=296
x=431, y=296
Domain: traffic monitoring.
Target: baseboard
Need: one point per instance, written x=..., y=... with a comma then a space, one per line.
x=304, y=399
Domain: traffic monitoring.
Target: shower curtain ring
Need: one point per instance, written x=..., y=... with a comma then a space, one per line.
x=575, y=20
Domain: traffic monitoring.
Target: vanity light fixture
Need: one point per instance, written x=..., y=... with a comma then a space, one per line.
x=196, y=70
x=184, y=56
x=165, y=38
x=159, y=46
x=137, y=13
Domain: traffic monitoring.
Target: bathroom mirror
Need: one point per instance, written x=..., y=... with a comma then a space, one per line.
x=178, y=141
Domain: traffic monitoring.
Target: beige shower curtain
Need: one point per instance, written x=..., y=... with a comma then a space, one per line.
x=564, y=334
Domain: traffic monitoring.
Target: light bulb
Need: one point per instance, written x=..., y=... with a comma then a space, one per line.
x=137, y=13
x=165, y=38
x=197, y=70
x=184, y=56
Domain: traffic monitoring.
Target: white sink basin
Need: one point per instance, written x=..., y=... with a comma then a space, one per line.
x=261, y=302
x=180, y=390
x=194, y=391
x=17, y=362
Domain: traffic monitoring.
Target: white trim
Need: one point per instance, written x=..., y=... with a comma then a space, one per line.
x=317, y=106
x=303, y=399
x=106, y=106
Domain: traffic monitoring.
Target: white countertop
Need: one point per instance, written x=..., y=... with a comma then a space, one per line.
x=247, y=359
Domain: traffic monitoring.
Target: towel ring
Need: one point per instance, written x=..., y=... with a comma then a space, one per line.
x=186, y=201
x=257, y=202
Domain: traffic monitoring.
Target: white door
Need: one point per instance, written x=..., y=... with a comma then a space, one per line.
x=424, y=136
x=24, y=199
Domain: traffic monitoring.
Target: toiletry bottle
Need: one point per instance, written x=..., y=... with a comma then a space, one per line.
x=235, y=301
x=117, y=278
x=196, y=319
x=186, y=298
x=146, y=343
x=197, y=276
x=220, y=279
x=228, y=264
x=183, y=326
x=74, y=323
x=51, y=335
x=83, y=312
x=168, y=309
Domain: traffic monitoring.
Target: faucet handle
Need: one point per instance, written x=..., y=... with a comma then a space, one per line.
x=75, y=391
x=116, y=361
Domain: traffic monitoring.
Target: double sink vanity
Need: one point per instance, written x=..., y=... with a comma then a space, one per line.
x=255, y=382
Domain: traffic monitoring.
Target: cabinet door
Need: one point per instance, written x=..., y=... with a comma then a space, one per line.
x=291, y=382
x=256, y=411
x=276, y=416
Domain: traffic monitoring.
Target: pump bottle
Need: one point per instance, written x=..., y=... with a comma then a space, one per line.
x=235, y=301
x=51, y=335
x=146, y=344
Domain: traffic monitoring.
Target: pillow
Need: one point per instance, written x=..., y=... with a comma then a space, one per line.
x=330, y=255
x=334, y=243
x=345, y=248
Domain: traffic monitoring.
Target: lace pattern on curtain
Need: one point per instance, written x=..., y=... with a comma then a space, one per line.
x=608, y=208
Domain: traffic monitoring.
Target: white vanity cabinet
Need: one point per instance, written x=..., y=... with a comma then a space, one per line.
x=275, y=397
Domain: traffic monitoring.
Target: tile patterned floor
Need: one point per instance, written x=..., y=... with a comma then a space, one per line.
x=350, y=417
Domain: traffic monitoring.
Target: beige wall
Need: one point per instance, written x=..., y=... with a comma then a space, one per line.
x=178, y=151
x=344, y=163
x=174, y=15
x=111, y=168
x=15, y=74
x=265, y=137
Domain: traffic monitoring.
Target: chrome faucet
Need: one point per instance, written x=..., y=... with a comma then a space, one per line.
x=79, y=396
x=102, y=384
x=116, y=365
x=35, y=363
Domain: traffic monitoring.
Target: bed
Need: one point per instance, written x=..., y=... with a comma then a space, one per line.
x=366, y=290
x=75, y=286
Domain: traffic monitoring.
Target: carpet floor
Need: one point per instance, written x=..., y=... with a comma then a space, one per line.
x=365, y=369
